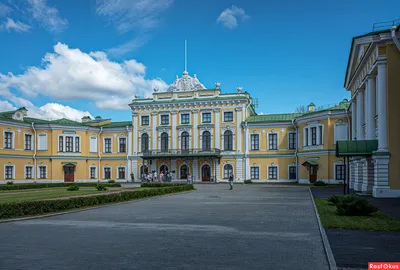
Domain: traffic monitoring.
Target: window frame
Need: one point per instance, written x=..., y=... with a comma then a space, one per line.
x=121, y=169
x=251, y=172
x=95, y=172
x=342, y=173
x=108, y=146
x=164, y=119
x=228, y=116
x=30, y=167
x=292, y=140
x=40, y=167
x=164, y=142
x=28, y=143
x=203, y=118
x=6, y=172
x=185, y=140
x=183, y=117
x=109, y=168
x=226, y=172
x=273, y=134
x=255, y=144
x=291, y=173
x=8, y=139
x=228, y=140
x=273, y=170
x=122, y=146
x=206, y=141
x=144, y=142
x=145, y=123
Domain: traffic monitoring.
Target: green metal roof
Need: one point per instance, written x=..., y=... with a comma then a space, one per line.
x=356, y=148
x=117, y=124
x=272, y=117
x=310, y=163
x=180, y=100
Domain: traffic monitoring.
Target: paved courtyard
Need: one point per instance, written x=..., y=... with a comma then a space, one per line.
x=250, y=227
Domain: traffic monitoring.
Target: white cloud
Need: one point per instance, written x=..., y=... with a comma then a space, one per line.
x=6, y=106
x=230, y=16
x=4, y=10
x=127, y=15
x=70, y=74
x=17, y=26
x=47, y=16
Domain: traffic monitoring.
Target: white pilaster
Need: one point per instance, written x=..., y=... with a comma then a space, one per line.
x=131, y=144
x=368, y=175
x=381, y=177
x=195, y=170
x=217, y=127
x=173, y=168
x=309, y=136
x=353, y=168
x=217, y=171
x=195, y=129
x=239, y=129
x=360, y=114
x=382, y=113
x=174, y=137
x=354, y=119
x=239, y=169
x=370, y=116
x=154, y=131
x=135, y=134
x=135, y=170
x=357, y=169
x=318, y=135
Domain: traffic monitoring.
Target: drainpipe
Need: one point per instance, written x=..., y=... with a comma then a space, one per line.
x=395, y=40
x=296, y=152
x=348, y=122
x=99, y=151
x=34, y=152
x=127, y=175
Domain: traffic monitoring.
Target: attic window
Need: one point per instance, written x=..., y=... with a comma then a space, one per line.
x=18, y=115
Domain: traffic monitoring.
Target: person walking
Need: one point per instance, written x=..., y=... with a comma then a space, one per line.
x=189, y=178
x=231, y=180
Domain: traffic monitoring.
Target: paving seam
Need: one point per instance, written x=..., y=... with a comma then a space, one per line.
x=89, y=208
x=325, y=241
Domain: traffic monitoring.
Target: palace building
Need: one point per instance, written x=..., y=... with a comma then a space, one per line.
x=188, y=129
x=373, y=78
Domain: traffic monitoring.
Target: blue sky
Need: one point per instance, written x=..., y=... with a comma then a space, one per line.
x=71, y=58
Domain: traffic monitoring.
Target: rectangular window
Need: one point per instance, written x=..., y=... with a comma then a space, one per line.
x=306, y=136
x=107, y=173
x=92, y=172
x=122, y=145
x=272, y=172
x=255, y=173
x=93, y=144
x=28, y=172
x=9, y=172
x=255, y=142
x=76, y=144
x=292, y=140
x=61, y=144
x=145, y=120
x=313, y=136
x=273, y=141
x=292, y=172
x=164, y=119
x=28, y=142
x=121, y=173
x=228, y=116
x=42, y=172
x=340, y=172
x=107, y=145
x=320, y=135
x=7, y=140
x=185, y=118
x=69, y=144
x=42, y=142
x=206, y=117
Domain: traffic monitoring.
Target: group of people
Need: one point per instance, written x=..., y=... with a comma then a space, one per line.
x=153, y=177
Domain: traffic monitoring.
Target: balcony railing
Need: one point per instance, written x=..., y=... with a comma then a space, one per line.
x=192, y=152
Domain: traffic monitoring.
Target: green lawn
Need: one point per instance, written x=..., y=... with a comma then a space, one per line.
x=47, y=193
x=376, y=222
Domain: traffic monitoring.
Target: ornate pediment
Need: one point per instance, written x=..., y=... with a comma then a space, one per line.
x=186, y=83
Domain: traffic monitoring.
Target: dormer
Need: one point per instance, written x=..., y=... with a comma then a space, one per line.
x=86, y=119
x=19, y=114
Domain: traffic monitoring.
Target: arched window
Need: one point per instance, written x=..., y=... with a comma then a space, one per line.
x=164, y=142
x=228, y=169
x=184, y=172
x=145, y=142
x=228, y=140
x=206, y=141
x=185, y=141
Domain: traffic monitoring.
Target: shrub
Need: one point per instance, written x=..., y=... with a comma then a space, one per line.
x=247, y=181
x=333, y=199
x=50, y=185
x=29, y=208
x=10, y=182
x=153, y=185
x=73, y=188
x=111, y=181
x=353, y=205
x=320, y=183
x=101, y=187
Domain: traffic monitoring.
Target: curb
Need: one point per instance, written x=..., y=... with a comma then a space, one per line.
x=325, y=241
x=89, y=208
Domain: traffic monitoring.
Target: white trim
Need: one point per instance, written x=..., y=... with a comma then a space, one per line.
x=223, y=171
x=183, y=164
x=288, y=140
x=295, y=166
x=104, y=174
x=95, y=143
x=64, y=151
x=38, y=170
x=32, y=140
x=13, y=171
x=117, y=172
x=95, y=172
x=225, y=129
x=201, y=170
x=163, y=114
x=277, y=171
x=259, y=140
x=233, y=116
x=308, y=139
x=184, y=113
x=202, y=119
x=42, y=134
x=334, y=170
x=141, y=123
x=12, y=139
x=33, y=172
x=126, y=144
x=259, y=171
x=104, y=144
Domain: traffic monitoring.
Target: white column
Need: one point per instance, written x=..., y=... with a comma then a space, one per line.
x=360, y=115
x=370, y=116
x=135, y=170
x=135, y=135
x=217, y=127
x=195, y=170
x=246, y=152
x=368, y=175
x=309, y=136
x=195, y=130
x=354, y=119
x=239, y=169
x=318, y=135
x=174, y=137
x=132, y=144
x=154, y=132
x=382, y=113
x=239, y=129
x=217, y=171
